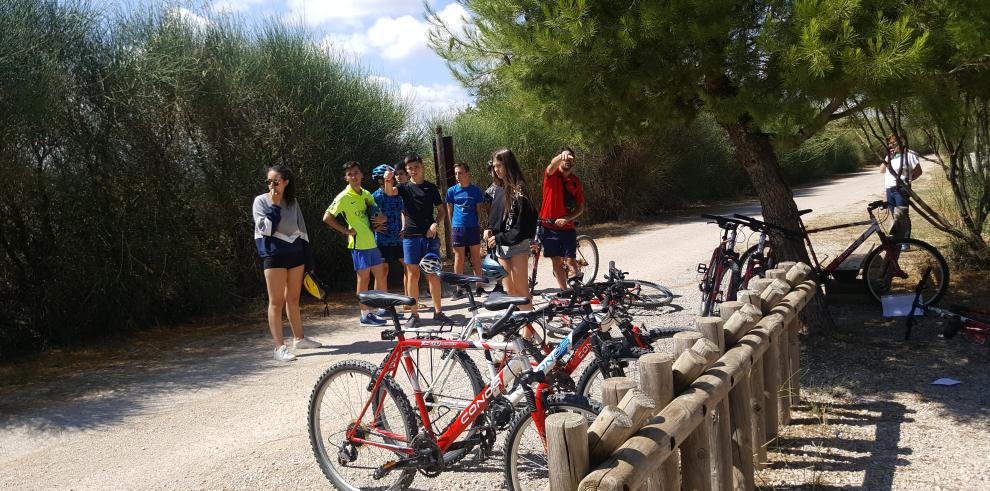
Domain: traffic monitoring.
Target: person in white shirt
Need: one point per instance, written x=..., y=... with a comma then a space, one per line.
x=907, y=166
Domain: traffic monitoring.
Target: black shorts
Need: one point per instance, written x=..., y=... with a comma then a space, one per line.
x=288, y=260
x=391, y=252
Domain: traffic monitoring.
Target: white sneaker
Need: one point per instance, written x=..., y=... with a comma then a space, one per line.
x=306, y=343
x=282, y=353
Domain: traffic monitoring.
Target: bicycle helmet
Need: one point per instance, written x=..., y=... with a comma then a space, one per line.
x=379, y=171
x=430, y=264
x=492, y=269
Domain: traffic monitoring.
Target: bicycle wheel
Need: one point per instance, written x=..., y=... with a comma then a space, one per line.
x=724, y=289
x=449, y=380
x=334, y=406
x=893, y=271
x=646, y=294
x=587, y=258
x=590, y=383
x=768, y=263
x=525, y=458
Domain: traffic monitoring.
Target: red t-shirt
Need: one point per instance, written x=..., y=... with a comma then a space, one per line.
x=553, y=207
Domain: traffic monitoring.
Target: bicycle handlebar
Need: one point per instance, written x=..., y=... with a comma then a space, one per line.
x=760, y=225
x=722, y=220
x=876, y=204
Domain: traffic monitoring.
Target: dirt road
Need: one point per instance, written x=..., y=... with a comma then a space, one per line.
x=212, y=410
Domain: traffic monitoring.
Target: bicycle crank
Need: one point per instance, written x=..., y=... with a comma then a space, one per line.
x=427, y=459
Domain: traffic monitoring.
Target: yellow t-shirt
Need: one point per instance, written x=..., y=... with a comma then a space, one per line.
x=354, y=206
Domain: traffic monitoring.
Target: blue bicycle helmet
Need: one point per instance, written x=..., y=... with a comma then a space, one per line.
x=492, y=269
x=379, y=171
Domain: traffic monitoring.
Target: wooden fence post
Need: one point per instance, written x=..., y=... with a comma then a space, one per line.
x=741, y=409
x=721, y=432
x=567, y=444
x=613, y=389
x=656, y=380
x=683, y=341
x=771, y=379
x=758, y=412
x=728, y=308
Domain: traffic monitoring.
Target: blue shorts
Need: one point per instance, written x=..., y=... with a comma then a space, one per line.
x=465, y=236
x=557, y=243
x=414, y=248
x=896, y=198
x=365, y=258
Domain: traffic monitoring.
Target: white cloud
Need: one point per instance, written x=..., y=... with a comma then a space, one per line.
x=435, y=98
x=316, y=12
x=190, y=17
x=236, y=6
x=429, y=100
x=396, y=38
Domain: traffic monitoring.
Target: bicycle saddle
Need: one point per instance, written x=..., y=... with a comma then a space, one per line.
x=383, y=300
x=500, y=302
x=461, y=279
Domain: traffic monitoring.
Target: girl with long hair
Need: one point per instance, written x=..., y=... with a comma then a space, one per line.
x=283, y=244
x=513, y=235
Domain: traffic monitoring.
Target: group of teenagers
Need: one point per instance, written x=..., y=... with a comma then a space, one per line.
x=398, y=223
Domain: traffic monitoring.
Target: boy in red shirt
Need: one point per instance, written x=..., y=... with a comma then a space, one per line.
x=563, y=201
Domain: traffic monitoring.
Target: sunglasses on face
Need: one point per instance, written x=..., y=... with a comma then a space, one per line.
x=273, y=182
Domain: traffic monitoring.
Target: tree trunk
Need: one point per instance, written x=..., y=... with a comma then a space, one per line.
x=755, y=151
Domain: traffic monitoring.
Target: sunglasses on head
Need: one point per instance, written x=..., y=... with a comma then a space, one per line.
x=273, y=182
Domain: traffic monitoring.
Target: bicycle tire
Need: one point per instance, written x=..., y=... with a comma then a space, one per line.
x=727, y=288
x=651, y=294
x=588, y=253
x=445, y=406
x=586, y=386
x=653, y=334
x=361, y=374
x=521, y=477
x=912, y=262
x=745, y=258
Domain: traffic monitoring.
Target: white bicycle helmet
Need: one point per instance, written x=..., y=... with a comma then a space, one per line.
x=430, y=264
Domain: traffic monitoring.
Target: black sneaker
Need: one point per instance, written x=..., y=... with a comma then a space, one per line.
x=412, y=323
x=479, y=291
x=458, y=294
x=441, y=318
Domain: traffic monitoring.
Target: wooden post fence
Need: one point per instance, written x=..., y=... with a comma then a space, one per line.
x=718, y=399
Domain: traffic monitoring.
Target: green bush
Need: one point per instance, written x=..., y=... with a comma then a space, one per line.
x=134, y=146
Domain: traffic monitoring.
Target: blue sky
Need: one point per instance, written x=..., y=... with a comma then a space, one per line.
x=386, y=37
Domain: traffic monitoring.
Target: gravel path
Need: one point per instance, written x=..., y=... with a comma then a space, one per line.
x=192, y=407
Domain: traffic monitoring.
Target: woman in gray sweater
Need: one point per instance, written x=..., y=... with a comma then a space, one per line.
x=282, y=242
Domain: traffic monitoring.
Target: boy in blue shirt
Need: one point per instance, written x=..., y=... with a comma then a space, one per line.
x=389, y=238
x=463, y=200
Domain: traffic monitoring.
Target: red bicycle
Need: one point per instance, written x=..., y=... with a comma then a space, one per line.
x=720, y=277
x=894, y=267
x=367, y=435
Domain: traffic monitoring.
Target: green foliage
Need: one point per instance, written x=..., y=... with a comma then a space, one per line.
x=785, y=66
x=134, y=146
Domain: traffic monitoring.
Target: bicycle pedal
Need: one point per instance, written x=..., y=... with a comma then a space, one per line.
x=702, y=268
